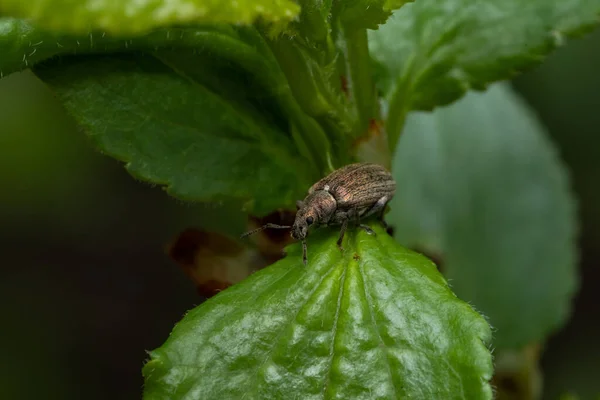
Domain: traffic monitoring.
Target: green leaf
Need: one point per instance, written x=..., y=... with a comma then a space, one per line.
x=366, y=14
x=131, y=17
x=481, y=185
x=431, y=52
x=173, y=130
x=314, y=19
x=216, y=54
x=23, y=45
x=376, y=321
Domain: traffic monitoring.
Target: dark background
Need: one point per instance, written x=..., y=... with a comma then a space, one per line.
x=86, y=287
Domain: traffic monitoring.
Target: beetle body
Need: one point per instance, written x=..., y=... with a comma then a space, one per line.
x=347, y=195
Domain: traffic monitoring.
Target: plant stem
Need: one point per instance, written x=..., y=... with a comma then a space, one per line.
x=361, y=84
x=396, y=115
x=398, y=106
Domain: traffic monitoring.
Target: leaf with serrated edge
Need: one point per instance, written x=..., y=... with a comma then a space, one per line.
x=174, y=131
x=230, y=59
x=24, y=45
x=484, y=188
x=376, y=321
x=430, y=52
x=366, y=14
x=130, y=17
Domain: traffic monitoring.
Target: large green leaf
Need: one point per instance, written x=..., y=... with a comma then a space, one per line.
x=430, y=52
x=130, y=17
x=482, y=186
x=376, y=321
x=173, y=130
x=239, y=61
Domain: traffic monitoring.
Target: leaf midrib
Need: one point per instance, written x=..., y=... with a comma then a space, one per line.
x=334, y=335
x=284, y=327
x=382, y=344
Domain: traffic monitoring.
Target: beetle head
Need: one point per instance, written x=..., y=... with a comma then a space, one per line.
x=315, y=209
x=300, y=228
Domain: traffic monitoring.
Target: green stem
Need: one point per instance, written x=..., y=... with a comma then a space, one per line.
x=395, y=119
x=398, y=107
x=361, y=84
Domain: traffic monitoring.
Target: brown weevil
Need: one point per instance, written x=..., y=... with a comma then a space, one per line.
x=347, y=195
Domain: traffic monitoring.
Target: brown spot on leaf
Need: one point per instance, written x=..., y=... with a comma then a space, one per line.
x=356, y=257
x=375, y=127
x=344, y=84
x=372, y=146
x=212, y=260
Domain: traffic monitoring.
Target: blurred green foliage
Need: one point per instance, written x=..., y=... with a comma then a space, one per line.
x=565, y=92
x=66, y=198
x=492, y=199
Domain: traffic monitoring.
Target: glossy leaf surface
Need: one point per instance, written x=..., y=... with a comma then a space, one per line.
x=376, y=321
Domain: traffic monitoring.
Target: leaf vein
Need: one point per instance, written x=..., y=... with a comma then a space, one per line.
x=381, y=342
x=334, y=335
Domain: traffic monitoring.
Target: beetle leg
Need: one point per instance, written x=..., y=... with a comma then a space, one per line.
x=304, y=257
x=357, y=221
x=342, y=231
x=356, y=216
x=380, y=207
x=382, y=215
x=385, y=224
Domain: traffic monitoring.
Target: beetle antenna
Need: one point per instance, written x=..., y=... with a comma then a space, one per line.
x=304, y=258
x=267, y=226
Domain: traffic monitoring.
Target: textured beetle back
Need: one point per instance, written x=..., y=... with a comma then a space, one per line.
x=357, y=185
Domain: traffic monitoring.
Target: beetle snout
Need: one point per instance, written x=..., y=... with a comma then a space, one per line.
x=299, y=232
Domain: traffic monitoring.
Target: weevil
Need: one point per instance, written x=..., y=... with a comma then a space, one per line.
x=347, y=195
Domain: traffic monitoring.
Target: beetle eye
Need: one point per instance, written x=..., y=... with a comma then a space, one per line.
x=310, y=220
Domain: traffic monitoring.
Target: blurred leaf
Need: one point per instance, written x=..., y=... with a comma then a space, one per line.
x=564, y=91
x=569, y=396
x=45, y=165
x=130, y=17
x=375, y=321
x=174, y=131
x=431, y=52
x=483, y=187
x=518, y=375
x=215, y=261
x=212, y=260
